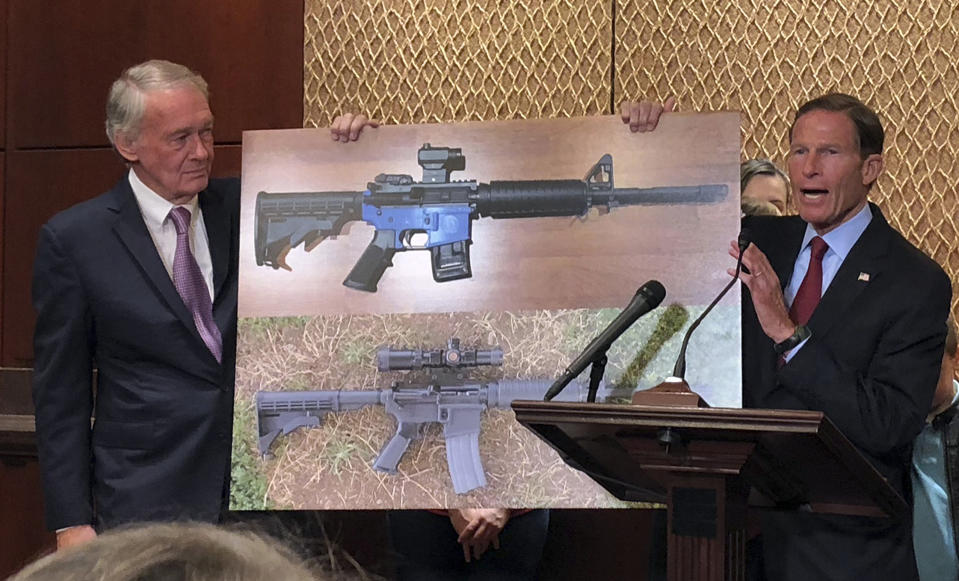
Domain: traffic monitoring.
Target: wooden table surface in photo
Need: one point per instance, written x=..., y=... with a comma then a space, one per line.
x=539, y=263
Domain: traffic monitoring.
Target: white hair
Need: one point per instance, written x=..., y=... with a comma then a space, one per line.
x=125, y=104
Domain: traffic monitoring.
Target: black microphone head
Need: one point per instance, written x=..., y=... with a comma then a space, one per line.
x=744, y=239
x=654, y=291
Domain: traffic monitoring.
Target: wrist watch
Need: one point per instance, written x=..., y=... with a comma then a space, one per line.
x=799, y=335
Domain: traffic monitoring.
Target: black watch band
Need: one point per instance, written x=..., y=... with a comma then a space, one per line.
x=799, y=335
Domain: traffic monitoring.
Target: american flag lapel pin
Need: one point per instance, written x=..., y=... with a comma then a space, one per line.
x=864, y=276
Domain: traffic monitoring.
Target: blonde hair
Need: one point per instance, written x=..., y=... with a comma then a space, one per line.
x=171, y=552
x=753, y=207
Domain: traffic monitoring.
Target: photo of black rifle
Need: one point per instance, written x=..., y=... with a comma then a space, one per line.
x=446, y=398
x=436, y=214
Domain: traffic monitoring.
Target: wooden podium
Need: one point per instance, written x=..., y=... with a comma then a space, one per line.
x=708, y=465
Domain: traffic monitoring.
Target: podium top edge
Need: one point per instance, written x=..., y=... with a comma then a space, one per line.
x=666, y=416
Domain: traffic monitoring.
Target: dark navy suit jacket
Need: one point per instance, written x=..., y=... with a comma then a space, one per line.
x=871, y=364
x=159, y=447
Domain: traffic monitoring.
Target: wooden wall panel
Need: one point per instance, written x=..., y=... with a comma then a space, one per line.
x=3, y=164
x=15, y=396
x=40, y=184
x=250, y=52
x=23, y=536
x=227, y=161
x=61, y=62
x=3, y=81
x=598, y=544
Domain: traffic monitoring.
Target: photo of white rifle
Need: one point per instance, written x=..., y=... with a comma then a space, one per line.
x=447, y=398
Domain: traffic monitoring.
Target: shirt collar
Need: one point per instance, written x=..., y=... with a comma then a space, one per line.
x=154, y=207
x=842, y=238
x=945, y=407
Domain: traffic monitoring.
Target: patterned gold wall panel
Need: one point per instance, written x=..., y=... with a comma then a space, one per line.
x=415, y=61
x=765, y=58
x=411, y=61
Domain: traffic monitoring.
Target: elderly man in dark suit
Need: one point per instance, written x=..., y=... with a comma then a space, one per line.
x=141, y=284
x=845, y=316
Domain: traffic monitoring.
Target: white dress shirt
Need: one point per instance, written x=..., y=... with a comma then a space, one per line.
x=155, y=210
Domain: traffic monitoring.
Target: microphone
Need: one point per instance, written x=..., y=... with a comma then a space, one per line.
x=743, y=242
x=675, y=391
x=679, y=370
x=646, y=299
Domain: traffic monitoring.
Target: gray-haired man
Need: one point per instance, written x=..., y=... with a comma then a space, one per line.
x=140, y=282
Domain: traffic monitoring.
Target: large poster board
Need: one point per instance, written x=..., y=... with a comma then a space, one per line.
x=356, y=387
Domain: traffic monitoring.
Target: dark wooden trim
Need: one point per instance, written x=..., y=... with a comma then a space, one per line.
x=4, y=49
x=17, y=437
x=62, y=61
x=23, y=536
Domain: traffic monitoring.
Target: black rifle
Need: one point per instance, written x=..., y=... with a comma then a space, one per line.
x=437, y=213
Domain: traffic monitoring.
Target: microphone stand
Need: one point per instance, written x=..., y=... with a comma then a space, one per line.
x=646, y=299
x=596, y=376
x=674, y=390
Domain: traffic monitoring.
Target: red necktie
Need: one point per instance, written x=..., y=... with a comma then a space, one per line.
x=810, y=291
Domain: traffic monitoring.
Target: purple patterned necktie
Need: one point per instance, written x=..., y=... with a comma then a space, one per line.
x=190, y=284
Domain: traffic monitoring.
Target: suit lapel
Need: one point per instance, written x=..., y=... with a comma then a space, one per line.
x=865, y=257
x=221, y=236
x=218, y=233
x=782, y=257
x=133, y=234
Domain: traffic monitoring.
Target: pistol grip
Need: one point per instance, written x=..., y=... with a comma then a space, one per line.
x=377, y=257
x=393, y=451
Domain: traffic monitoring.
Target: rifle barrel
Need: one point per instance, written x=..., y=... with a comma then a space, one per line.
x=701, y=194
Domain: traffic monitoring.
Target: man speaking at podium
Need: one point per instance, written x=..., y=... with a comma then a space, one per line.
x=843, y=316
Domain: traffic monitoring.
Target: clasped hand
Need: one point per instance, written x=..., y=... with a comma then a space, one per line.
x=478, y=529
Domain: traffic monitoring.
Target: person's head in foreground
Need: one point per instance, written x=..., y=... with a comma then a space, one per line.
x=171, y=552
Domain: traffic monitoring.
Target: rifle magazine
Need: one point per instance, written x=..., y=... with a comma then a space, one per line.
x=465, y=464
